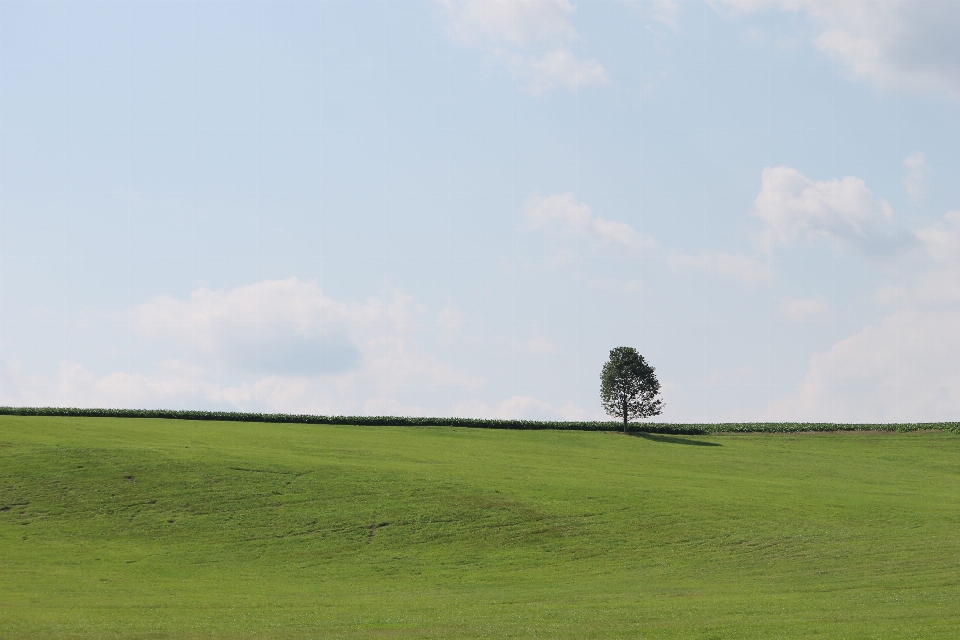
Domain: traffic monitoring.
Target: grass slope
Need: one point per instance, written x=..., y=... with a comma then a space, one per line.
x=138, y=528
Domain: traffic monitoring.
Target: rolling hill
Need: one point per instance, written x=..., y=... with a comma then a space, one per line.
x=146, y=528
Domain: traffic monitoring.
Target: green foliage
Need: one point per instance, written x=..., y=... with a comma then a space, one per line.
x=148, y=528
x=629, y=386
x=481, y=423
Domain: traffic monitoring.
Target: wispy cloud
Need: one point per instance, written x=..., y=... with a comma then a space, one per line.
x=744, y=269
x=665, y=13
x=917, y=172
x=561, y=216
x=534, y=343
x=894, y=44
x=805, y=309
x=533, y=39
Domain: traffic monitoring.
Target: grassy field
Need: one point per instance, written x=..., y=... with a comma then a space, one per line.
x=138, y=528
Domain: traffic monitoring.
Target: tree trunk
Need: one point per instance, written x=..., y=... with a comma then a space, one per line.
x=624, y=417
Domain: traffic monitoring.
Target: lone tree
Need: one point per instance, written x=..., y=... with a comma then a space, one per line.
x=628, y=386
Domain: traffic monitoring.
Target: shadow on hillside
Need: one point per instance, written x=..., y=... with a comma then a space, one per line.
x=659, y=437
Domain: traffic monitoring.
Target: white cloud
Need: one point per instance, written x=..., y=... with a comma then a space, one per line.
x=931, y=279
x=450, y=321
x=539, y=345
x=73, y=385
x=532, y=38
x=938, y=285
x=666, y=12
x=805, y=309
x=539, y=74
x=282, y=326
x=617, y=286
x=942, y=240
x=658, y=12
x=742, y=268
x=213, y=345
x=794, y=207
x=917, y=172
x=905, y=367
x=272, y=338
x=894, y=44
x=174, y=385
x=561, y=216
x=517, y=23
x=535, y=344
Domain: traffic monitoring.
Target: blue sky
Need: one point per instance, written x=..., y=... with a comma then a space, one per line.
x=458, y=207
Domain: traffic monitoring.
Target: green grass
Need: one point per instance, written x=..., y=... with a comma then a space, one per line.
x=139, y=528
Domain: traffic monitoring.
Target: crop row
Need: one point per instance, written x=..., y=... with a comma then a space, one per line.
x=479, y=423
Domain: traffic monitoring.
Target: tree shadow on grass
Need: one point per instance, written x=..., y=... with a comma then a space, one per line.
x=659, y=437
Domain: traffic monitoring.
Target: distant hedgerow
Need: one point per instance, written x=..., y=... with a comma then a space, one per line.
x=480, y=423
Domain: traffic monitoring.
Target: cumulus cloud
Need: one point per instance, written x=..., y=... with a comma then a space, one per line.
x=942, y=239
x=894, y=44
x=917, y=172
x=905, y=367
x=805, y=309
x=532, y=38
x=216, y=346
x=288, y=346
x=794, y=207
x=744, y=269
x=174, y=385
x=562, y=217
x=177, y=385
x=939, y=284
x=279, y=326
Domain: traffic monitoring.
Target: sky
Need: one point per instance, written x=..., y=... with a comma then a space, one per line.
x=458, y=207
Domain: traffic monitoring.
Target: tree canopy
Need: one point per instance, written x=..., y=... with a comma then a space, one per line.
x=629, y=387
